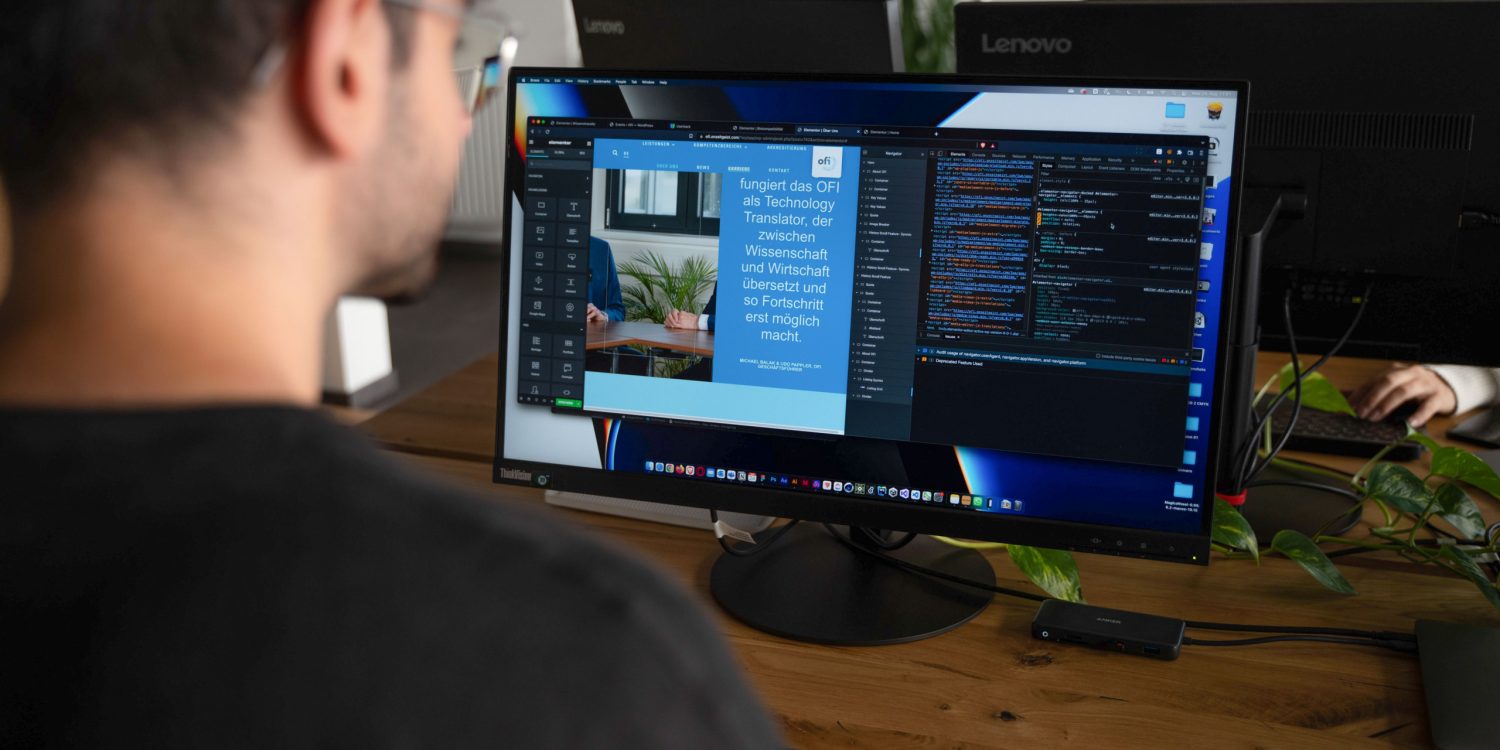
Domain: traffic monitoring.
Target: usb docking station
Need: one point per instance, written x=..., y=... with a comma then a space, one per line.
x=1112, y=629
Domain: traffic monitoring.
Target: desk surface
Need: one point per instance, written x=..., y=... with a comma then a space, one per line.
x=634, y=332
x=989, y=684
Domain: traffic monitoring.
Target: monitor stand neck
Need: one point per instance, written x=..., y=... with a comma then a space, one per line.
x=1244, y=332
x=812, y=586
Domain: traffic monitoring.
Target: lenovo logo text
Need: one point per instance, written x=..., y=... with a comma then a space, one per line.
x=1025, y=45
x=603, y=26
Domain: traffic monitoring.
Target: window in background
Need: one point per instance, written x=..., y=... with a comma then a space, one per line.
x=663, y=202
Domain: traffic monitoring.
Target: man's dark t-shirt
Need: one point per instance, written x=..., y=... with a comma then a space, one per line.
x=262, y=577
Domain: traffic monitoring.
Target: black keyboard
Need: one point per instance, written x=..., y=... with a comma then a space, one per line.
x=1341, y=434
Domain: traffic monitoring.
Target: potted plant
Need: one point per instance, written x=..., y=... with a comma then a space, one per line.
x=1429, y=519
x=660, y=287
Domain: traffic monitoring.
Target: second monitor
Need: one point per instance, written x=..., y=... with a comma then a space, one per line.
x=829, y=36
x=1391, y=137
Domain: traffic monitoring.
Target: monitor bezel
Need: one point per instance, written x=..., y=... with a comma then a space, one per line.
x=883, y=514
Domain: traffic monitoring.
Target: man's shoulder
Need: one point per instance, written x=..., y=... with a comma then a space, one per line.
x=492, y=577
x=287, y=556
x=489, y=531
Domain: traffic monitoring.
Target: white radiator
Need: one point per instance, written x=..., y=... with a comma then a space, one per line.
x=478, y=201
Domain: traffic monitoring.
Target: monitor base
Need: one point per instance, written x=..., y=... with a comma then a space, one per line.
x=677, y=515
x=813, y=587
x=1271, y=506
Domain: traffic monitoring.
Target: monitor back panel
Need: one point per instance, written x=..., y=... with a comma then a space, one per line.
x=831, y=36
x=1389, y=131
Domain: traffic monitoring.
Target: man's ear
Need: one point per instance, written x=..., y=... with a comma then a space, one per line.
x=342, y=81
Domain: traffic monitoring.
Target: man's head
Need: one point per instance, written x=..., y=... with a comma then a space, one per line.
x=358, y=96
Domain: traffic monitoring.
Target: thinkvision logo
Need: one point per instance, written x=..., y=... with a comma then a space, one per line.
x=515, y=475
x=603, y=26
x=1025, y=45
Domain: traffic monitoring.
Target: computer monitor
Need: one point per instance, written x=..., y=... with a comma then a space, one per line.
x=831, y=36
x=1379, y=115
x=984, y=308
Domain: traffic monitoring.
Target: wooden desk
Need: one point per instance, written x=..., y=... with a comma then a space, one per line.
x=643, y=333
x=989, y=684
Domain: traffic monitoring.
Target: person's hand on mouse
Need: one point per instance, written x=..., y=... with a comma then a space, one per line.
x=1385, y=393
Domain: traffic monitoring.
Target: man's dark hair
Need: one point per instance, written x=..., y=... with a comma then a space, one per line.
x=78, y=77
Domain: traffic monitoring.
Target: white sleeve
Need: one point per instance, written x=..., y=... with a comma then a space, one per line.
x=703, y=322
x=1473, y=386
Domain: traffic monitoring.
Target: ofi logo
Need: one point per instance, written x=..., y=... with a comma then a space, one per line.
x=827, y=161
x=1025, y=45
x=603, y=26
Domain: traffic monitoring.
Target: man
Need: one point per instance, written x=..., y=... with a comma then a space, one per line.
x=605, y=303
x=190, y=556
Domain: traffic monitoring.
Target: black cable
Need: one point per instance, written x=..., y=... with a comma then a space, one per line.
x=1487, y=540
x=1346, y=492
x=1296, y=630
x=1349, y=551
x=1407, y=647
x=1249, y=449
x=1281, y=397
x=1387, y=639
x=1257, y=467
x=922, y=570
x=880, y=542
x=760, y=545
x=1359, y=314
x=1247, y=452
x=1247, y=459
x=1363, y=550
x=1314, y=465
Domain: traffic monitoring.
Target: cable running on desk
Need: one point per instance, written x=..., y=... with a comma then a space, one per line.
x=1286, y=632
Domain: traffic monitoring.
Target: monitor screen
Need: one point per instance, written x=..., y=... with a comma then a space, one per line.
x=988, y=308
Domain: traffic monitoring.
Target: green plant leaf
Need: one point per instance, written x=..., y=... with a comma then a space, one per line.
x=1318, y=392
x=1296, y=545
x=1457, y=463
x=1397, y=486
x=1054, y=571
x=1471, y=571
x=1232, y=530
x=1459, y=509
x=1423, y=440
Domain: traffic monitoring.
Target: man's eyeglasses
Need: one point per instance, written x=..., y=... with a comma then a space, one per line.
x=479, y=24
